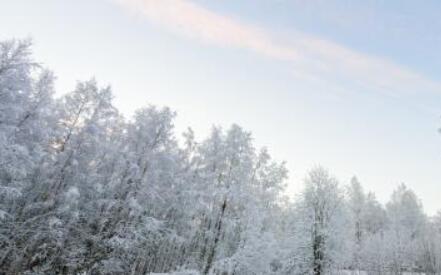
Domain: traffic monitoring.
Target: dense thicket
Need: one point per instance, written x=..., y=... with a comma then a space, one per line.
x=84, y=191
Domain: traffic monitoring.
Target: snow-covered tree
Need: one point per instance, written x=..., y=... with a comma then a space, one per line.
x=405, y=224
x=356, y=205
x=320, y=226
x=85, y=191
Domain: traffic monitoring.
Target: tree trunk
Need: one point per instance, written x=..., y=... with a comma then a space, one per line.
x=318, y=254
x=212, y=252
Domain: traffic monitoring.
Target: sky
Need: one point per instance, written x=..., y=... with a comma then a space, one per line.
x=354, y=86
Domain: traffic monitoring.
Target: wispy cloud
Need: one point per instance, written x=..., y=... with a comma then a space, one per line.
x=310, y=56
x=191, y=20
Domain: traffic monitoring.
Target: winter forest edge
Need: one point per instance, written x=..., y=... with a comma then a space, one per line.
x=85, y=191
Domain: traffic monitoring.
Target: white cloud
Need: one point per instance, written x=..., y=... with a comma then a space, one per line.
x=310, y=56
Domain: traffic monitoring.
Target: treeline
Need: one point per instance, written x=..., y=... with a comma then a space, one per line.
x=85, y=191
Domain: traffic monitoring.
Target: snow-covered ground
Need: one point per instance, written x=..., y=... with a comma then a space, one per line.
x=188, y=272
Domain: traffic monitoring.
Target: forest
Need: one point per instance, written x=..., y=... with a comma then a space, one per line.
x=84, y=190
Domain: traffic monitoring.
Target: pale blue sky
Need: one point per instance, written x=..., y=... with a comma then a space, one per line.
x=352, y=85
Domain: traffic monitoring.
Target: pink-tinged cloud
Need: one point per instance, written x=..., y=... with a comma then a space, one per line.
x=311, y=57
x=191, y=20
